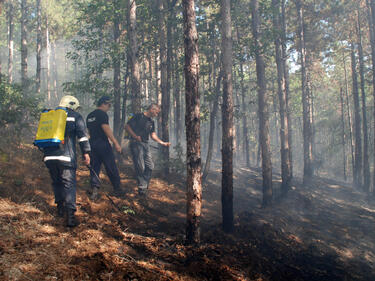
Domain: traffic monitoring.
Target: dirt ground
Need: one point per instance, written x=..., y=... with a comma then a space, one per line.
x=324, y=231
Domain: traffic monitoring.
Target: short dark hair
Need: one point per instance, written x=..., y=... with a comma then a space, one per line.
x=153, y=105
x=103, y=99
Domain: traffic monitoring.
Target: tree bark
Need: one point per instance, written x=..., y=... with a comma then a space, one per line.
x=264, y=137
x=227, y=119
x=38, y=46
x=306, y=100
x=366, y=164
x=343, y=136
x=245, y=139
x=357, y=172
x=192, y=122
x=213, y=115
x=24, y=14
x=165, y=97
x=282, y=94
x=371, y=8
x=349, y=115
x=10, y=41
x=48, y=47
x=286, y=79
x=116, y=76
x=133, y=57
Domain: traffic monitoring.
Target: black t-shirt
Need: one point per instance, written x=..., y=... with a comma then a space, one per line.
x=142, y=126
x=94, y=121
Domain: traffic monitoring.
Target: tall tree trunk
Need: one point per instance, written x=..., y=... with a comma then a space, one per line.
x=281, y=90
x=10, y=41
x=306, y=101
x=227, y=119
x=38, y=46
x=54, y=69
x=192, y=122
x=48, y=47
x=165, y=97
x=357, y=172
x=123, y=107
x=213, y=114
x=343, y=137
x=24, y=15
x=366, y=164
x=349, y=115
x=284, y=58
x=371, y=19
x=177, y=97
x=133, y=57
x=116, y=76
x=264, y=136
x=245, y=139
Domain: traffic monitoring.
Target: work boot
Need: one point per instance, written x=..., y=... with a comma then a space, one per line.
x=60, y=209
x=95, y=193
x=119, y=192
x=71, y=220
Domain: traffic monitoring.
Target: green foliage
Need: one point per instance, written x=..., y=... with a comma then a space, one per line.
x=177, y=163
x=127, y=210
x=15, y=108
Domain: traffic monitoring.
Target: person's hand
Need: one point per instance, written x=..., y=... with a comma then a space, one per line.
x=118, y=147
x=165, y=143
x=138, y=138
x=86, y=159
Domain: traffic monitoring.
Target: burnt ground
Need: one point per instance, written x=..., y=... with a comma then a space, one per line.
x=323, y=231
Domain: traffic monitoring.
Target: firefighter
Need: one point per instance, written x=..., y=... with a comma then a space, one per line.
x=61, y=161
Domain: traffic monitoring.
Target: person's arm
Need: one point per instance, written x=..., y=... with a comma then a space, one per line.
x=83, y=139
x=156, y=138
x=108, y=132
x=131, y=132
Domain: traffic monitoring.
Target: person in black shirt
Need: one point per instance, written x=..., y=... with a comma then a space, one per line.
x=101, y=149
x=140, y=127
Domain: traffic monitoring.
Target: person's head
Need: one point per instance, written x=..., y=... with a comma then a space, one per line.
x=153, y=110
x=104, y=103
x=69, y=102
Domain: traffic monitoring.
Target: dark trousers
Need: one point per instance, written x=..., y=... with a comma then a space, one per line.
x=101, y=153
x=142, y=160
x=63, y=183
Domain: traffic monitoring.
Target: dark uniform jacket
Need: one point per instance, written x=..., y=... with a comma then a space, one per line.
x=66, y=153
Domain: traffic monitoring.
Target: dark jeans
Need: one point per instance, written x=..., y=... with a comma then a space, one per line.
x=142, y=160
x=63, y=183
x=101, y=153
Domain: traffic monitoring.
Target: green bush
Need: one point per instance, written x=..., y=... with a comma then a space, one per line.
x=16, y=110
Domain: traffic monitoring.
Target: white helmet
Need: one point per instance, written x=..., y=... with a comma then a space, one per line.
x=69, y=102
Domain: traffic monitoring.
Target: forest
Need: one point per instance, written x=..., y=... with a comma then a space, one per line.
x=269, y=109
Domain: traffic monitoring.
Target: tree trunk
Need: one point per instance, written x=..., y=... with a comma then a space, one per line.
x=116, y=77
x=366, y=164
x=165, y=97
x=286, y=80
x=133, y=57
x=343, y=137
x=24, y=14
x=192, y=122
x=371, y=8
x=349, y=115
x=227, y=119
x=10, y=41
x=54, y=69
x=38, y=46
x=264, y=137
x=281, y=90
x=306, y=101
x=48, y=47
x=213, y=115
x=357, y=172
x=245, y=139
